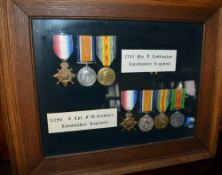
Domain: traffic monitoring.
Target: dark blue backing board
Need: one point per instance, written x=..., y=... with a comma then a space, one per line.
x=185, y=38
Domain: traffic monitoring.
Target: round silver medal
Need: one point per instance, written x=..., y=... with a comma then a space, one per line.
x=146, y=123
x=86, y=76
x=177, y=119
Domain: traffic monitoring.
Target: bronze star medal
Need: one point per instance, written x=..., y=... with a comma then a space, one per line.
x=64, y=75
x=129, y=122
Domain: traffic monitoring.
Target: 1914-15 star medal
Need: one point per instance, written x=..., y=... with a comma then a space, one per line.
x=129, y=122
x=64, y=75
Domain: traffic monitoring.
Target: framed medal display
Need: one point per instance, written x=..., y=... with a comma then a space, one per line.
x=110, y=87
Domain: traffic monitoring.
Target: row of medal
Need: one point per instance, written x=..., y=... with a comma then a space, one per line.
x=105, y=50
x=150, y=100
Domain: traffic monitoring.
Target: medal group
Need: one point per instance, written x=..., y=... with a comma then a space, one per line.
x=149, y=101
x=105, y=50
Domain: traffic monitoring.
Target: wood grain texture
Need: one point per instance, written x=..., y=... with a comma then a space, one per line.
x=3, y=145
x=20, y=111
x=126, y=159
x=18, y=93
x=6, y=99
x=4, y=155
x=158, y=10
x=210, y=96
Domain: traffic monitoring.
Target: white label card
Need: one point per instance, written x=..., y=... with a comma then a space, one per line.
x=81, y=120
x=133, y=61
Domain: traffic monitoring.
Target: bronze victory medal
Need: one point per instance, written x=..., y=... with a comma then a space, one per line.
x=106, y=76
x=64, y=75
x=129, y=122
x=161, y=121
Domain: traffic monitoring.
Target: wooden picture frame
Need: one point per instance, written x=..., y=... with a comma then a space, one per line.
x=19, y=98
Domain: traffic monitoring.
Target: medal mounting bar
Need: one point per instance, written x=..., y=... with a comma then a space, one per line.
x=128, y=106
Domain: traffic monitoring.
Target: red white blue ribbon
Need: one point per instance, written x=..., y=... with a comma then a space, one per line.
x=63, y=46
x=128, y=99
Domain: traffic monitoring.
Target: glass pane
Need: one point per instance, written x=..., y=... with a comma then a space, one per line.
x=185, y=38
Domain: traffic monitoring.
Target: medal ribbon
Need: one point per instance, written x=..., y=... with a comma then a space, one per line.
x=162, y=99
x=63, y=46
x=190, y=88
x=178, y=99
x=146, y=100
x=106, y=49
x=128, y=99
x=86, y=48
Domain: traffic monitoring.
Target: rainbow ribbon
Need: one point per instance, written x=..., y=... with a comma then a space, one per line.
x=146, y=100
x=177, y=99
x=162, y=99
x=85, y=48
x=128, y=99
x=63, y=46
x=106, y=49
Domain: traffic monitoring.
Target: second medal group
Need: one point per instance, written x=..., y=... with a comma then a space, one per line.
x=105, y=51
x=150, y=100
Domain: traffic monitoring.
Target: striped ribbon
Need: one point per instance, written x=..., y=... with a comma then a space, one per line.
x=63, y=46
x=128, y=99
x=106, y=49
x=85, y=48
x=177, y=99
x=146, y=100
x=162, y=99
